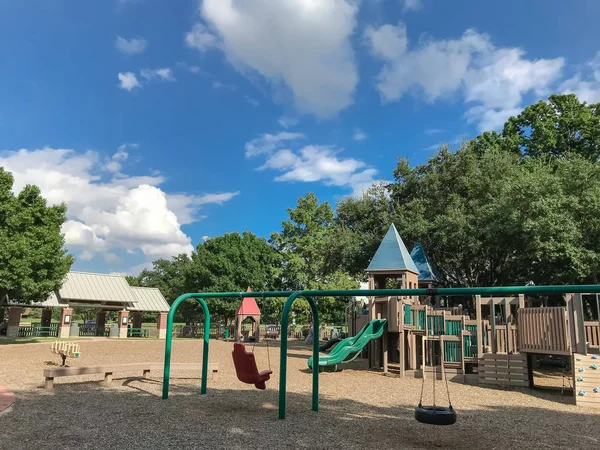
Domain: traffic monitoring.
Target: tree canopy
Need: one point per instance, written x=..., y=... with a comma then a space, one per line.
x=33, y=262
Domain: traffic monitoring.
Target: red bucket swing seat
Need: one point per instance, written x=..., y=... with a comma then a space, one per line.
x=245, y=367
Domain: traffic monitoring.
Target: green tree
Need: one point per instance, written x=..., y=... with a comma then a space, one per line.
x=233, y=263
x=559, y=127
x=360, y=224
x=33, y=261
x=303, y=246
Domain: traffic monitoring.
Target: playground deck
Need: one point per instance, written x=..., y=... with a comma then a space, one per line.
x=358, y=409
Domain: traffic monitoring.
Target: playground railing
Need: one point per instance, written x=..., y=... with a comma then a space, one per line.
x=37, y=330
x=592, y=334
x=138, y=332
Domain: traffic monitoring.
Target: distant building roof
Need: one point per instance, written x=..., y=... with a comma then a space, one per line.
x=427, y=272
x=148, y=299
x=96, y=287
x=392, y=254
x=96, y=290
x=248, y=307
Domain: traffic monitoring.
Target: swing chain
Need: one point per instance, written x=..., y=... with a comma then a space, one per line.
x=423, y=364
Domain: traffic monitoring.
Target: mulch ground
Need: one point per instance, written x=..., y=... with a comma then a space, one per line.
x=358, y=409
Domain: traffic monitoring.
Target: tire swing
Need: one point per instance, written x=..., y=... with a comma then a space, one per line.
x=435, y=415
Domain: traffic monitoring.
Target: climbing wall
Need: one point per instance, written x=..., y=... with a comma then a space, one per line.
x=587, y=380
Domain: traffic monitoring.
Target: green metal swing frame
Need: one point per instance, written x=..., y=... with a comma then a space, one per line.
x=310, y=295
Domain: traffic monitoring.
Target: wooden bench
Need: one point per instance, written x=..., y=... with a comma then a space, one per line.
x=109, y=370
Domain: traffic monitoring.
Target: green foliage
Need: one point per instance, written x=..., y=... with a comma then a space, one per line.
x=33, y=262
x=557, y=128
x=233, y=263
x=304, y=245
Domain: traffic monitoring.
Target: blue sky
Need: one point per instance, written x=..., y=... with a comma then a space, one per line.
x=161, y=122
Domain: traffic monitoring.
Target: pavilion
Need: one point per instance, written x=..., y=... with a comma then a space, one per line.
x=102, y=292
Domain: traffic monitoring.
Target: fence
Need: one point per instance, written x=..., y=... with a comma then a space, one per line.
x=37, y=330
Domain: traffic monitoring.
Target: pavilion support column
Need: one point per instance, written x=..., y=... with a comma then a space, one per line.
x=136, y=319
x=100, y=322
x=123, y=320
x=64, y=328
x=161, y=324
x=14, y=319
x=1, y=313
x=46, y=317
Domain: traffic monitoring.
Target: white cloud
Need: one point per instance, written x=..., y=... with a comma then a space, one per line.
x=111, y=258
x=494, y=80
x=359, y=135
x=190, y=68
x=251, y=100
x=132, y=46
x=128, y=81
x=310, y=163
x=113, y=164
x=108, y=214
x=219, y=85
x=287, y=122
x=268, y=143
x=586, y=83
x=412, y=5
x=163, y=73
x=201, y=38
x=301, y=45
x=431, y=131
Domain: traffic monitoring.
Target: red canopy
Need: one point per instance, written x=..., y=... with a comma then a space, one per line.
x=248, y=307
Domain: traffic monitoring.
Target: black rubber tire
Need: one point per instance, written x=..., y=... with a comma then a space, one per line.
x=437, y=415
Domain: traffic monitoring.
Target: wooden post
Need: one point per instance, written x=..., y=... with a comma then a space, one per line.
x=423, y=360
x=493, y=324
x=578, y=322
x=508, y=333
x=385, y=352
x=479, y=326
x=441, y=341
x=402, y=353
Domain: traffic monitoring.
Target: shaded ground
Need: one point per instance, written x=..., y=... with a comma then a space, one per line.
x=358, y=409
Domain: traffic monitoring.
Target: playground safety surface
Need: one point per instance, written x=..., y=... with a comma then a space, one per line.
x=358, y=409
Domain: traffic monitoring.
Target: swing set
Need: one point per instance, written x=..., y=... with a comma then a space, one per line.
x=243, y=360
x=246, y=363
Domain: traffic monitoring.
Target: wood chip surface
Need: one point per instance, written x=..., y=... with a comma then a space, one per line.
x=358, y=409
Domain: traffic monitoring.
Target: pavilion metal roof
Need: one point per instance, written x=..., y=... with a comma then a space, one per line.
x=96, y=287
x=149, y=300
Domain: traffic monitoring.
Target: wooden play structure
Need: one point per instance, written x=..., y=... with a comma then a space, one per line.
x=495, y=347
x=248, y=309
x=65, y=349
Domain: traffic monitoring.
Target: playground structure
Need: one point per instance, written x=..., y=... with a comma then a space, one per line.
x=248, y=310
x=493, y=349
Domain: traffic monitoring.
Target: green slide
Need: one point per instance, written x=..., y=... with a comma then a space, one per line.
x=348, y=349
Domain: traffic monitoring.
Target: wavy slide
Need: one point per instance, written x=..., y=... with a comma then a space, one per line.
x=348, y=349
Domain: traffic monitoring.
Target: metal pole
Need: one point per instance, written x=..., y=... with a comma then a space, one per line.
x=169, y=343
x=497, y=291
x=283, y=353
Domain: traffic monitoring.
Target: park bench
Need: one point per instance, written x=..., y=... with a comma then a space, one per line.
x=109, y=369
